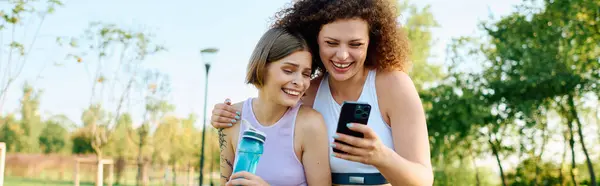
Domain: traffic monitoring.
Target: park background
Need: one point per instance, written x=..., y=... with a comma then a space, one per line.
x=510, y=87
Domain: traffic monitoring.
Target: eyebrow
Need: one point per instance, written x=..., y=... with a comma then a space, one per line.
x=290, y=63
x=339, y=40
x=296, y=65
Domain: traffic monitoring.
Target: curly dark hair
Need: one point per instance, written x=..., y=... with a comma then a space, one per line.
x=388, y=46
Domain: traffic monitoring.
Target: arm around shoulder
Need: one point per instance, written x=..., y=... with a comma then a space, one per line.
x=315, y=156
x=410, y=163
x=223, y=114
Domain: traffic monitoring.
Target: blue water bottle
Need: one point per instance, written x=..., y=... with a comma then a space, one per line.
x=249, y=151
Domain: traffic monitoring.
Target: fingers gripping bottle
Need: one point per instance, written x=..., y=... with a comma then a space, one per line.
x=250, y=149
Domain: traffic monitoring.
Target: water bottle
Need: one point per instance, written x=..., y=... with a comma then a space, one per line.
x=249, y=151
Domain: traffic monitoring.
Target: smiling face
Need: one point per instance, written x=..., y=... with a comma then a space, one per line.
x=343, y=47
x=280, y=67
x=288, y=78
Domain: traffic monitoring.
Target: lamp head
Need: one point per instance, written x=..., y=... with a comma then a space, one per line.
x=208, y=55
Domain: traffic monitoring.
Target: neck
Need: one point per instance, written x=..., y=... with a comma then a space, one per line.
x=349, y=89
x=266, y=111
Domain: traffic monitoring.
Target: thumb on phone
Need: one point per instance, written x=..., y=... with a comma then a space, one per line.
x=228, y=101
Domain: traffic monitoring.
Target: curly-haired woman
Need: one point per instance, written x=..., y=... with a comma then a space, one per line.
x=363, y=57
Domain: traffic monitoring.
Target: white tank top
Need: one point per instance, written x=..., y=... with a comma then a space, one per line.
x=326, y=105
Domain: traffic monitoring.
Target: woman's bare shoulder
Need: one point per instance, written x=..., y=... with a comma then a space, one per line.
x=238, y=105
x=392, y=85
x=233, y=130
x=309, y=119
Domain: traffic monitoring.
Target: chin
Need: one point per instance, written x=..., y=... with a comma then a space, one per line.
x=289, y=100
x=341, y=76
x=291, y=103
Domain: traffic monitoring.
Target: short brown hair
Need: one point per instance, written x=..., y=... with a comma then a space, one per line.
x=274, y=45
x=388, y=45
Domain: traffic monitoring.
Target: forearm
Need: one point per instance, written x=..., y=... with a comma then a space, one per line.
x=226, y=170
x=400, y=171
x=226, y=156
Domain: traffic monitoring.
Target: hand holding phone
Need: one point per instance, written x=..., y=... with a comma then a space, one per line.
x=352, y=112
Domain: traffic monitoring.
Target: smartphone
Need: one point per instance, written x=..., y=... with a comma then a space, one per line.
x=352, y=112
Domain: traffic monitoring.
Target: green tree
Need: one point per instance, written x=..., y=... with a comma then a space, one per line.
x=166, y=138
x=191, y=143
x=30, y=119
x=155, y=87
x=53, y=138
x=96, y=48
x=547, y=174
x=417, y=26
x=167, y=141
x=547, y=53
x=535, y=61
x=119, y=144
x=81, y=140
x=12, y=133
x=64, y=121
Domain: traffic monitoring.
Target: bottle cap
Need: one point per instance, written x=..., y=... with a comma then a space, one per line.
x=253, y=133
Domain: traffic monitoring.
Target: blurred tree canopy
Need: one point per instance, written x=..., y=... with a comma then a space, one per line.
x=535, y=65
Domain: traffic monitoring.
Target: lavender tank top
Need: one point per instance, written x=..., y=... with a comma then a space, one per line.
x=279, y=164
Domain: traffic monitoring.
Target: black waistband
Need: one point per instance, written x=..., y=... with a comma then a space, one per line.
x=358, y=178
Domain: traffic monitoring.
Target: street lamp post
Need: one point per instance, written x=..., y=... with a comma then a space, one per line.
x=208, y=55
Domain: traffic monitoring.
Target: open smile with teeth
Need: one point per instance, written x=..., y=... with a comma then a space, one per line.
x=342, y=65
x=291, y=92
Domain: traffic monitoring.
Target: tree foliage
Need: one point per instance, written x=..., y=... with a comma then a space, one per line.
x=543, y=58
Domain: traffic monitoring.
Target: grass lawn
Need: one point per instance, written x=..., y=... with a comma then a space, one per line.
x=17, y=181
x=14, y=181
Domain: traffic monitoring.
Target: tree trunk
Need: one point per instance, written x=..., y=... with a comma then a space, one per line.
x=572, y=146
x=497, y=155
x=563, y=161
x=575, y=115
x=145, y=176
x=99, y=170
x=597, y=116
x=477, y=179
x=140, y=160
x=120, y=168
x=566, y=114
x=442, y=168
x=174, y=174
x=522, y=148
x=539, y=157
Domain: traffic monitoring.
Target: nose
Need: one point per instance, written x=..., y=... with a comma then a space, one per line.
x=298, y=80
x=342, y=53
